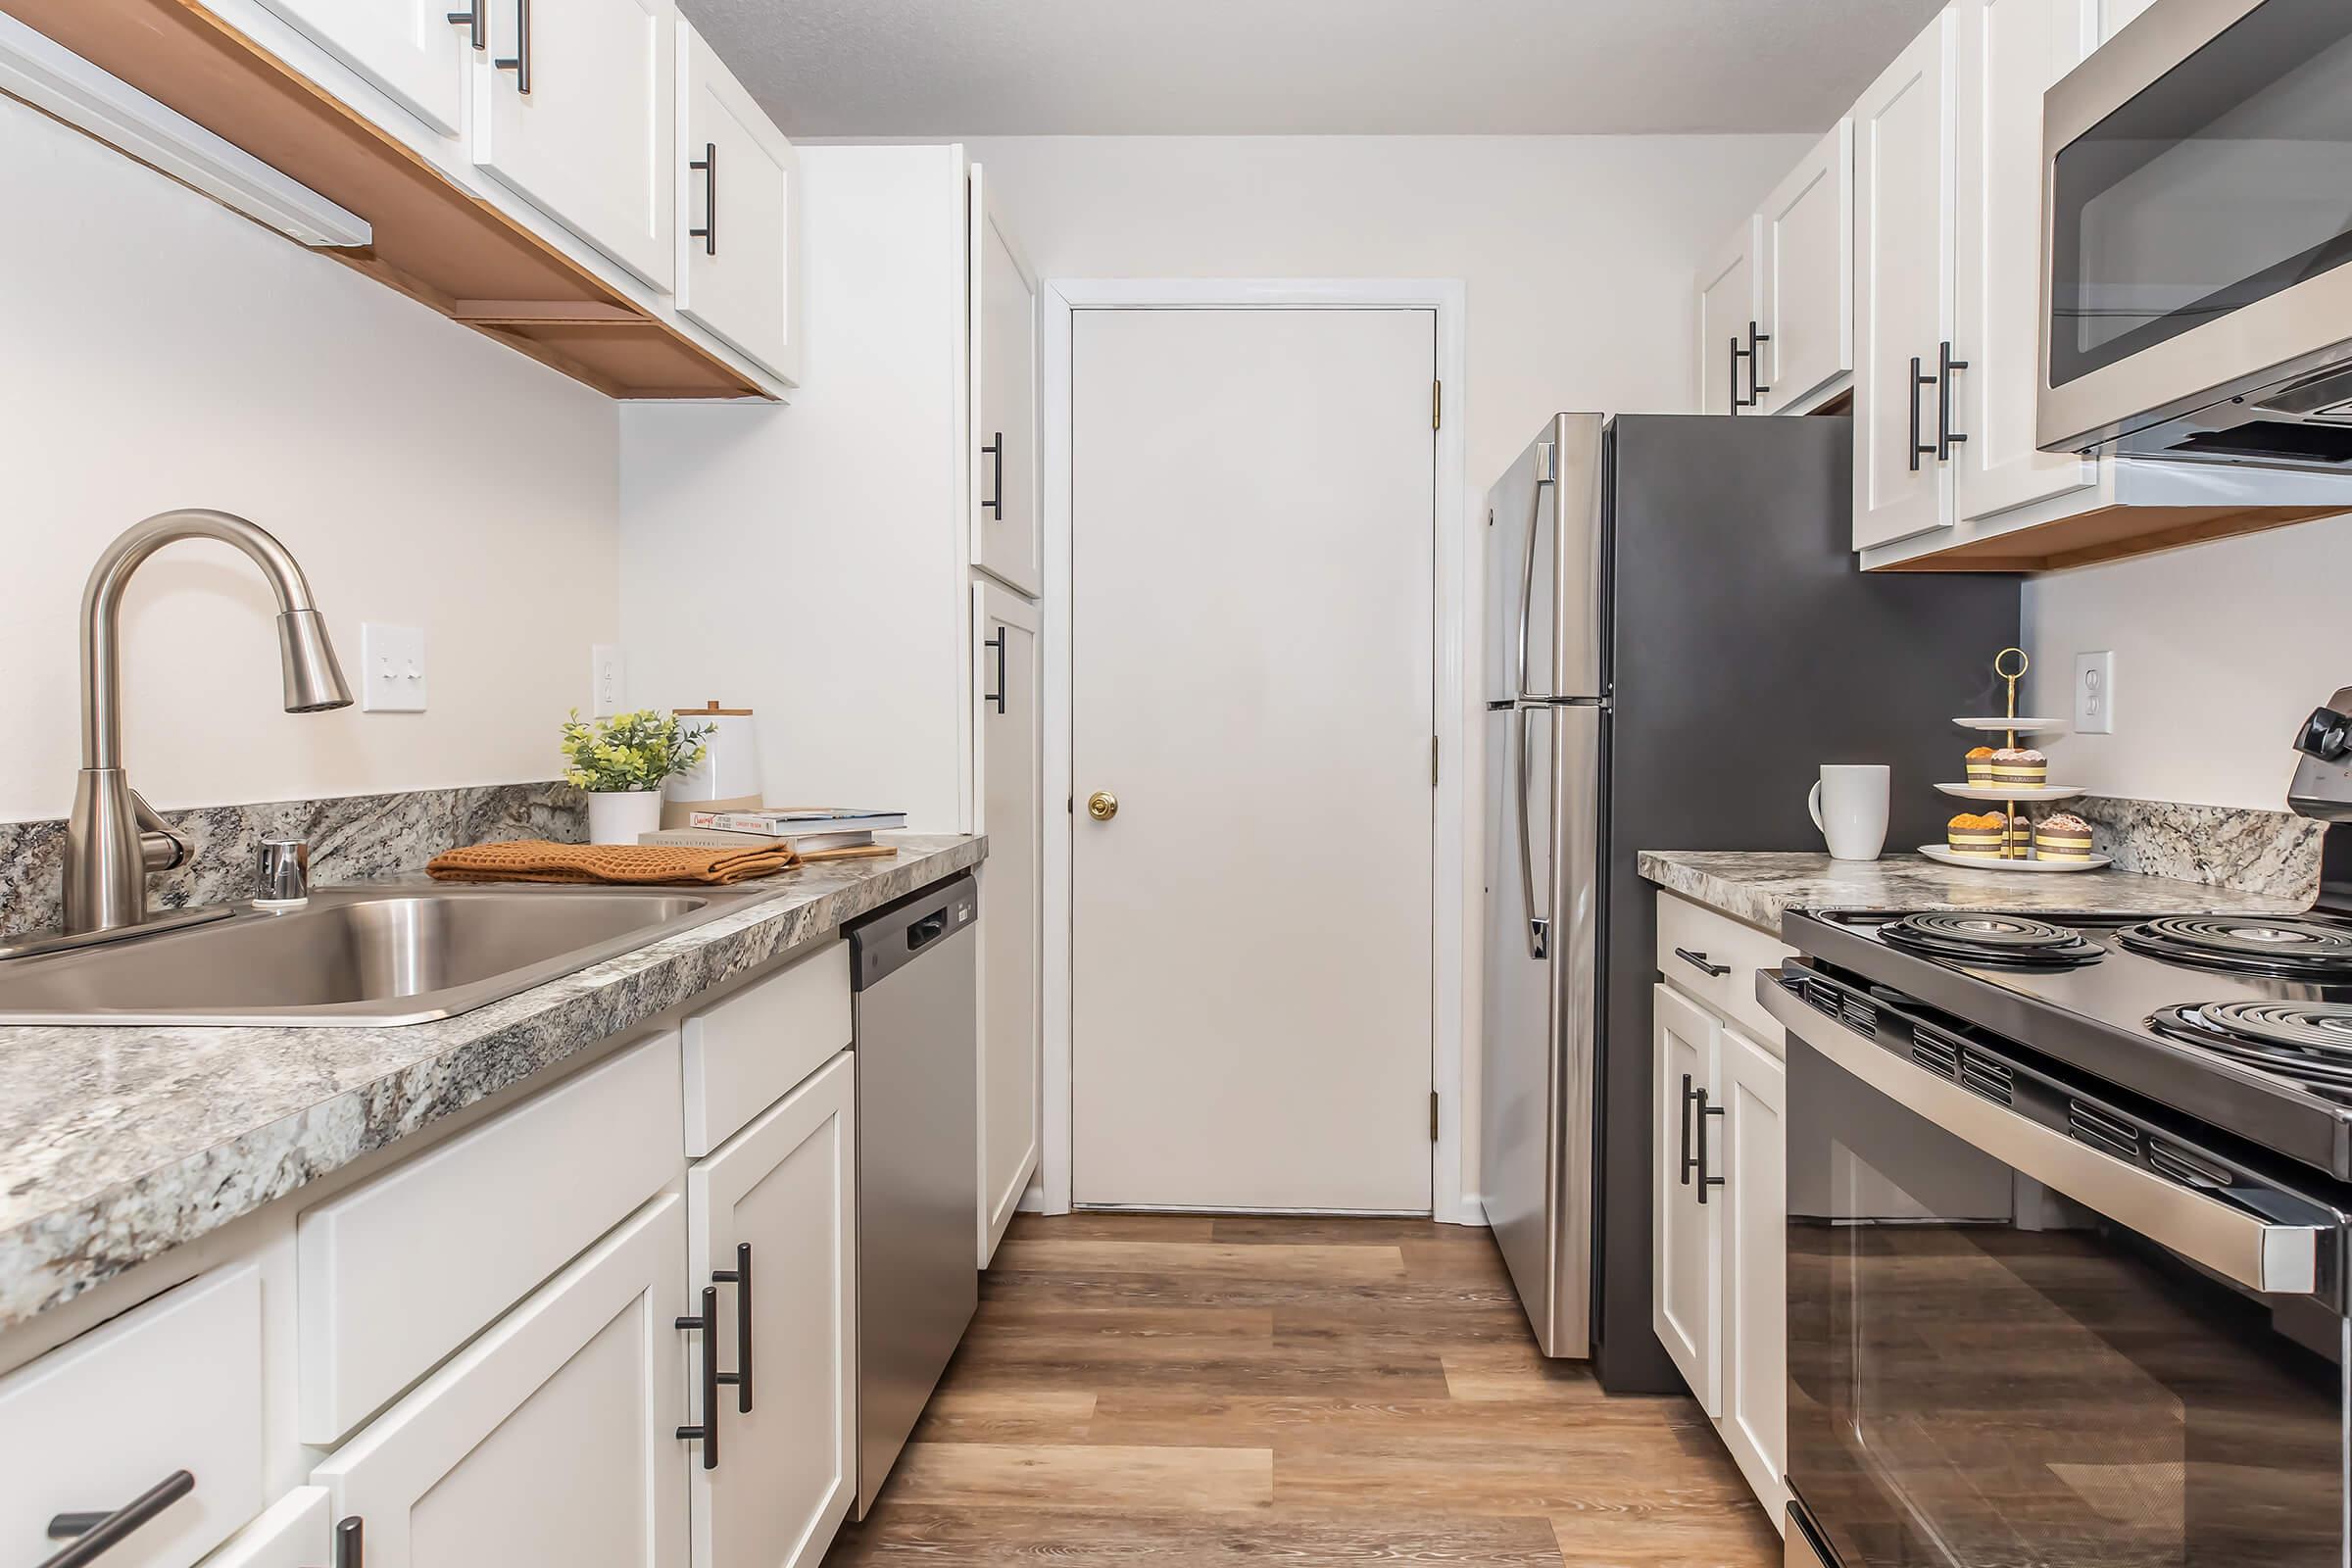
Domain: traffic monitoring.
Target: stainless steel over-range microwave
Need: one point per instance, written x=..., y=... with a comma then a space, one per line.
x=2196, y=224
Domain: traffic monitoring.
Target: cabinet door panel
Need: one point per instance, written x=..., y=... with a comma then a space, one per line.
x=592, y=142
x=552, y=1438
x=1754, y=1421
x=1727, y=304
x=1004, y=326
x=1903, y=191
x=1806, y=273
x=1685, y=1288
x=407, y=48
x=1011, y=791
x=2011, y=52
x=785, y=1186
x=739, y=277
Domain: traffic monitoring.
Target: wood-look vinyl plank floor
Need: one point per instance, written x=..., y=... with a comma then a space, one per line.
x=1148, y=1388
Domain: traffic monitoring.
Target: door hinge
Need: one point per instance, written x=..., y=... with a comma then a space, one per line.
x=1433, y=761
x=1433, y=1116
x=1436, y=405
x=1070, y=805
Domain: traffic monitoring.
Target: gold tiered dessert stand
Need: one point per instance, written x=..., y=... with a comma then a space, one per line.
x=2011, y=664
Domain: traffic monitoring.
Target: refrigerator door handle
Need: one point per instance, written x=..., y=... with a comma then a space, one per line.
x=1538, y=926
x=1544, y=475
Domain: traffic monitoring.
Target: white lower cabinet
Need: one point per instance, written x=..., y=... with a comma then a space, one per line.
x=553, y=1436
x=1749, y=1146
x=165, y=1405
x=293, y=1532
x=1720, y=1209
x=771, y=1228
x=1011, y=791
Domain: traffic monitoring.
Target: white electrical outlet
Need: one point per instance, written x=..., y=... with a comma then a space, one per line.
x=2095, y=693
x=391, y=669
x=607, y=680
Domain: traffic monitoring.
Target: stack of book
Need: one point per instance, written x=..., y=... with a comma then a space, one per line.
x=808, y=829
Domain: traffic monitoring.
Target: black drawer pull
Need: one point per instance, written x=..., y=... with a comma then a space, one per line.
x=740, y=1276
x=519, y=62
x=95, y=1534
x=1705, y=1110
x=1711, y=970
x=706, y=1325
x=706, y=165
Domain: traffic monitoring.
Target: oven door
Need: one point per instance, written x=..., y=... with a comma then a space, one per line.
x=2197, y=215
x=2008, y=1348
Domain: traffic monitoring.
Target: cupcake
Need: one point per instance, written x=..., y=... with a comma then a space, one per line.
x=1974, y=833
x=2020, y=765
x=2063, y=837
x=1979, y=765
x=2021, y=836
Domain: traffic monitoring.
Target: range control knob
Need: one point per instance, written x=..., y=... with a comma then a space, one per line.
x=2326, y=735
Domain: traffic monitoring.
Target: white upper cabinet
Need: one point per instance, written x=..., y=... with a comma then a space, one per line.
x=410, y=49
x=1805, y=277
x=576, y=108
x=2011, y=51
x=1905, y=169
x=1729, y=312
x=738, y=214
x=1004, y=330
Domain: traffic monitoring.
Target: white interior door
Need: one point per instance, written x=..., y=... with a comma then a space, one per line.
x=1252, y=525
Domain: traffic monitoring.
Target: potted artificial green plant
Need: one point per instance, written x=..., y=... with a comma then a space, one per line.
x=621, y=763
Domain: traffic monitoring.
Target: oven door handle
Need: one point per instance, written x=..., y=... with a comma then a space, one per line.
x=2276, y=1259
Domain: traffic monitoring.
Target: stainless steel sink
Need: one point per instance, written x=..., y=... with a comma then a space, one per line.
x=354, y=957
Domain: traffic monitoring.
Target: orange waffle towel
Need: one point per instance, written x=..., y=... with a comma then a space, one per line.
x=543, y=860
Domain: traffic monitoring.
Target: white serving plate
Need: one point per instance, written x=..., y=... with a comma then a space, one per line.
x=1942, y=855
x=2023, y=726
x=2012, y=792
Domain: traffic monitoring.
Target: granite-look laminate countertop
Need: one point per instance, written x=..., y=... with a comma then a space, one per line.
x=118, y=1144
x=1757, y=888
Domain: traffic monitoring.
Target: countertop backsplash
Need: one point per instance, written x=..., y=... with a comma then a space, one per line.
x=2275, y=853
x=350, y=836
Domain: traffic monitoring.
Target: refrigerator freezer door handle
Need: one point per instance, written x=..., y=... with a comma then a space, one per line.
x=1526, y=565
x=1538, y=926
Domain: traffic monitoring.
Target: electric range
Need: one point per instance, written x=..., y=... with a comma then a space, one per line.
x=2068, y=1213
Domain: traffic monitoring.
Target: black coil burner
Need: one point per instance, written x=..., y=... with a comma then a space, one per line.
x=2309, y=1042
x=2004, y=941
x=2287, y=948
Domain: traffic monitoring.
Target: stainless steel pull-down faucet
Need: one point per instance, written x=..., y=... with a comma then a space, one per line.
x=114, y=839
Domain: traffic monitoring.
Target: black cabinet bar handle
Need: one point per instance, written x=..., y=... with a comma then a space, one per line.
x=1689, y=1163
x=1739, y=354
x=706, y=165
x=476, y=24
x=1917, y=381
x=1946, y=437
x=707, y=1432
x=740, y=1276
x=998, y=696
x=1701, y=960
x=1755, y=393
x=996, y=484
x=520, y=64
x=94, y=1533
x=351, y=1549
x=1705, y=1110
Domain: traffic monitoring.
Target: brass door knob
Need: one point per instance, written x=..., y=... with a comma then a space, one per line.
x=1101, y=805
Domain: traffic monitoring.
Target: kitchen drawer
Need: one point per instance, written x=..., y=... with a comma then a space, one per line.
x=394, y=1275
x=747, y=1052
x=293, y=1534
x=1721, y=941
x=173, y=1385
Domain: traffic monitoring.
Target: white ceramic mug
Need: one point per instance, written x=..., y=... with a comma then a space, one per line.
x=1849, y=807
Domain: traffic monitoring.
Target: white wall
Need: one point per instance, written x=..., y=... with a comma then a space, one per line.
x=2220, y=649
x=159, y=351
x=1579, y=250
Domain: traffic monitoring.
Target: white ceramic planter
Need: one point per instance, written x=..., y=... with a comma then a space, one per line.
x=619, y=816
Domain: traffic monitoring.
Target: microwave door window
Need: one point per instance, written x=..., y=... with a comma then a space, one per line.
x=2225, y=182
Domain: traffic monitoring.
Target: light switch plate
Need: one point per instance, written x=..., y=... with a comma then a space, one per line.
x=607, y=680
x=2095, y=693
x=392, y=669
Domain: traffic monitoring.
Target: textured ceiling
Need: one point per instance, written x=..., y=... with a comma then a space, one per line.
x=981, y=67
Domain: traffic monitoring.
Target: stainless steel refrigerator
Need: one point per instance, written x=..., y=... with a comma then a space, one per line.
x=1678, y=636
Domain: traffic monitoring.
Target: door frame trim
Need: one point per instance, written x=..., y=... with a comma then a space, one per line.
x=1455, y=889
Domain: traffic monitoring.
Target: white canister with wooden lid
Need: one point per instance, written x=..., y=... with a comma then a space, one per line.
x=727, y=778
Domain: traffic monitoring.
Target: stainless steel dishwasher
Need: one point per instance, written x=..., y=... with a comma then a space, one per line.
x=915, y=996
